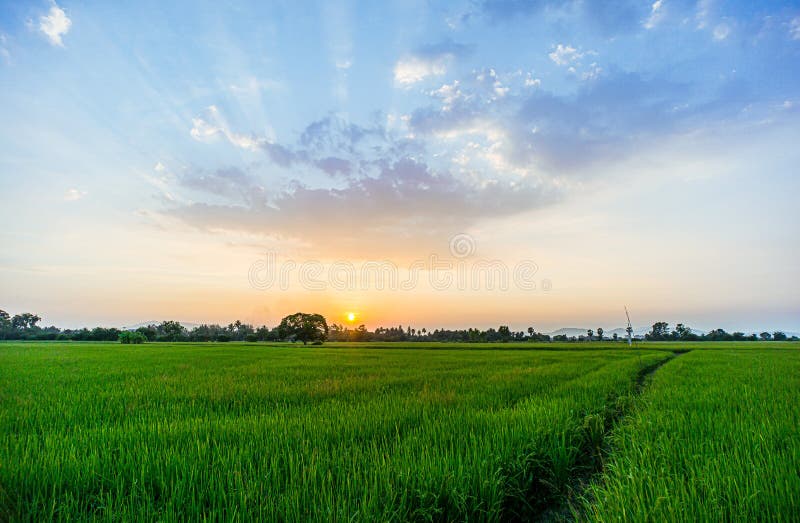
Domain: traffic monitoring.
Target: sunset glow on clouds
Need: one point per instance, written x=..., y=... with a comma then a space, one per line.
x=640, y=153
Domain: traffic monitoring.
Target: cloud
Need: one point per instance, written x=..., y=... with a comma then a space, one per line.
x=703, y=13
x=427, y=61
x=721, y=31
x=71, y=195
x=656, y=14
x=592, y=73
x=794, y=28
x=413, y=69
x=565, y=54
x=211, y=124
x=530, y=81
x=55, y=24
x=330, y=144
x=405, y=200
x=230, y=183
x=608, y=117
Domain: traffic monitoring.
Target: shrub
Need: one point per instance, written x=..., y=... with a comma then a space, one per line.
x=133, y=337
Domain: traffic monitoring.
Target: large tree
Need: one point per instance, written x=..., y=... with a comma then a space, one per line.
x=304, y=327
x=25, y=321
x=5, y=323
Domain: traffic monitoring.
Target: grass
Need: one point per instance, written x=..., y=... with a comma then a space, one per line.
x=203, y=431
x=347, y=433
x=715, y=438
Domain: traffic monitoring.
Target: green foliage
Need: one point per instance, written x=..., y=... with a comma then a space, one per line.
x=715, y=440
x=198, y=432
x=304, y=327
x=132, y=337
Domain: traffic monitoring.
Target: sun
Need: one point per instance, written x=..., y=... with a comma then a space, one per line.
x=351, y=316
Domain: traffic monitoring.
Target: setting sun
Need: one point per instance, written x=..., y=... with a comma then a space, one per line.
x=351, y=316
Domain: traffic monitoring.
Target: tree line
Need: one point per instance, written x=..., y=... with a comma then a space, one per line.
x=314, y=328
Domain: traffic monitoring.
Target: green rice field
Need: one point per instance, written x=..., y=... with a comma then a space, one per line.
x=348, y=432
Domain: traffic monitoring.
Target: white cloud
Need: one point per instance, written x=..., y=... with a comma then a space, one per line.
x=721, y=31
x=530, y=81
x=344, y=64
x=656, y=14
x=413, y=69
x=794, y=28
x=593, y=72
x=71, y=195
x=211, y=124
x=55, y=25
x=449, y=94
x=203, y=131
x=703, y=13
x=159, y=167
x=565, y=54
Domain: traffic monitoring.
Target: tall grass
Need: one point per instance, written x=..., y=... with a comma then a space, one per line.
x=295, y=434
x=716, y=438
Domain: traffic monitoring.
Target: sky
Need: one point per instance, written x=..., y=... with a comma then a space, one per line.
x=433, y=164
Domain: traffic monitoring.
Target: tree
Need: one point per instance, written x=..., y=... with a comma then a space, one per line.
x=615, y=336
x=778, y=336
x=600, y=333
x=150, y=332
x=24, y=321
x=590, y=334
x=304, y=327
x=504, y=333
x=5, y=323
x=132, y=337
x=766, y=336
x=660, y=331
x=171, y=331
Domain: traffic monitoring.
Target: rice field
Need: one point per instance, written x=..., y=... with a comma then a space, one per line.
x=716, y=437
x=94, y=431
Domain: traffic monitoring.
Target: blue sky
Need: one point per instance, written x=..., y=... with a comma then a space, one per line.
x=641, y=153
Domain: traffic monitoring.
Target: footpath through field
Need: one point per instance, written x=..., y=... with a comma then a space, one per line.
x=714, y=437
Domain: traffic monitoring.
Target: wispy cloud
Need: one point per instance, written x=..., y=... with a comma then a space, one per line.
x=211, y=124
x=721, y=31
x=656, y=14
x=405, y=199
x=427, y=61
x=55, y=25
x=565, y=54
x=794, y=28
x=413, y=69
x=71, y=195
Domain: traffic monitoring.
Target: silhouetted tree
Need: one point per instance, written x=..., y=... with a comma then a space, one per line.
x=304, y=327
